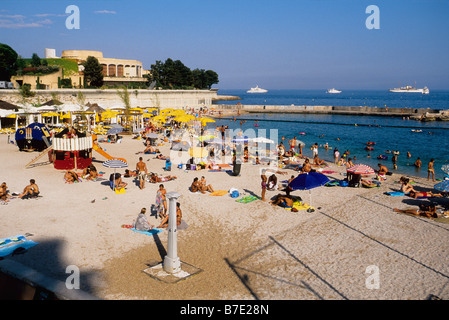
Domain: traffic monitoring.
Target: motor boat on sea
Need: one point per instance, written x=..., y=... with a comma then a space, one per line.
x=333, y=90
x=411, y=89
x=257, y=90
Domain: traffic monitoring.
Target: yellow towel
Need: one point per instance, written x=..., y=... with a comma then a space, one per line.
x=122, y=190
x=300, y=206
x=218, y=193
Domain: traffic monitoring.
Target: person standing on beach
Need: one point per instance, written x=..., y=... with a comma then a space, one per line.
x=431, y=170
x=292, y=144
x=264, y=186
x=336, y=155
x=315, y=150
x=141, y=168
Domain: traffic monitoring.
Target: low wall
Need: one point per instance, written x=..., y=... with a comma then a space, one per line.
x=109, y=98
x=362, y=110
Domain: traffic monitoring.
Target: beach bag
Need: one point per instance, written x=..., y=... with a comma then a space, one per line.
x=234, y=193
x=343, y=183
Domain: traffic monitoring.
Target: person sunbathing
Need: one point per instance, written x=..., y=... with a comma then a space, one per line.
x=161, y=157
x=4, y=196
x=282, y=201
x=428, y=194
x=406, y=186
x=164, y=222
x=149, y=150
x=31, y=190
x=317, y=161
x=90, y=173
x=306, y=167
x=204, y=186
x=425, y=210
x=155, y=179
x=196, y=186
x=71, y=177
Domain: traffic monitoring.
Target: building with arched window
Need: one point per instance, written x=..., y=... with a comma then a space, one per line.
x=115, y=71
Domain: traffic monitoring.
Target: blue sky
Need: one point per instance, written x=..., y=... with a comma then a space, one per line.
x=283, y=44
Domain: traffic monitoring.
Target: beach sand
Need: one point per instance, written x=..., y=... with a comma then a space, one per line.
x=243, y=251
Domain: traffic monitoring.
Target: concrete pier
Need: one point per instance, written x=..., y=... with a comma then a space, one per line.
x=361, y=110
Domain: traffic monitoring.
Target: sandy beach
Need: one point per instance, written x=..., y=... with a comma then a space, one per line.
x=244, y=251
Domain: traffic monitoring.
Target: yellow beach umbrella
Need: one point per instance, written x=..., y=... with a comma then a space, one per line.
x=184, y=118
x=159, y=118
x=166, y=110
x=50, y=114
x=198, y=152
x=12, y=116
x=205, y=120
x=147, y=115
x=65, y=116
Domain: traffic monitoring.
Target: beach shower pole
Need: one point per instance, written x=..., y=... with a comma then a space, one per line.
x=172, y=264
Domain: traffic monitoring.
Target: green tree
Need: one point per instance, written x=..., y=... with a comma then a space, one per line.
x=35, y=60
x=93, y=72
x=211, y=77
x=8, y=59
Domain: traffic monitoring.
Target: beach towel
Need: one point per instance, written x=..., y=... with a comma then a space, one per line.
x=247, y=199
x=395, y=193
x=149, y=232
x=442, y=219
x=9, y=245
x=298, y=205
x=218, y=193
x=121, y=190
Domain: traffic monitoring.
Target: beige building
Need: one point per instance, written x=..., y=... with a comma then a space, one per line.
x=114, y=70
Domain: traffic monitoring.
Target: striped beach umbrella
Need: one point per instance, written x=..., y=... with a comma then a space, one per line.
x=442, y=186
x=115, y=164
x=360, y=169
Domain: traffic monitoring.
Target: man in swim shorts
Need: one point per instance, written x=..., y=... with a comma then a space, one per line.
x=141, y=168
x=431, y=170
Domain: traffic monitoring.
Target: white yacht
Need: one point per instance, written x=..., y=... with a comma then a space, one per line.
x=411, y=89
x=333, y=90
x=257, y=90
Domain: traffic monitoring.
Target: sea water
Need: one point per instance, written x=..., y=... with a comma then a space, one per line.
x=349, y=132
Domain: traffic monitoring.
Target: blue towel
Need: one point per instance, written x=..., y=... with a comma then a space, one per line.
x=8, y=245
x=395, y=193
x=150, y=232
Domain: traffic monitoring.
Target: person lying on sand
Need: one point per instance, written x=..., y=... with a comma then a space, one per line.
x=149, y=150
x=155, y=179
x=428, y=194
x=283, y=201
x=426, y=210
x=161, y=157
x=318, y=162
